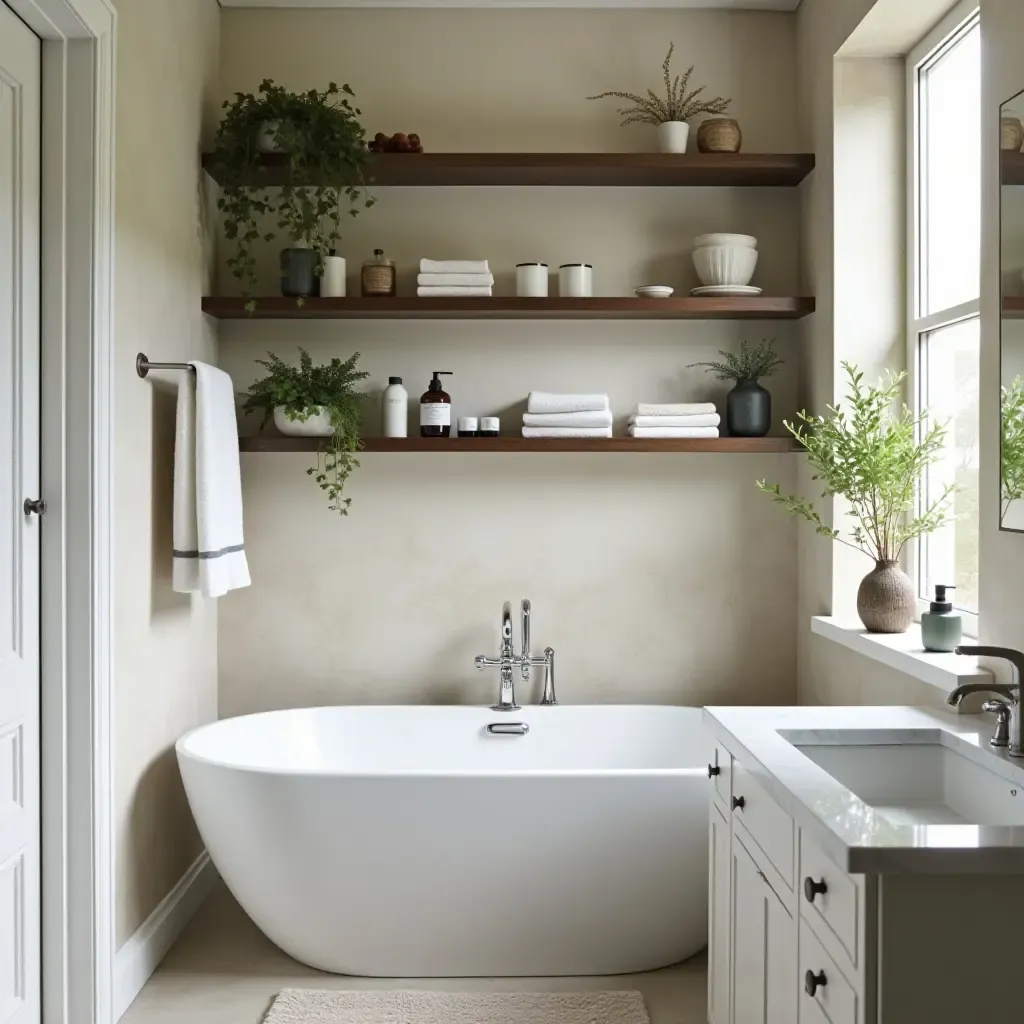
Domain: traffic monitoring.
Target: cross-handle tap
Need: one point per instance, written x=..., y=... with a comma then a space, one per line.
x=1010, y=692
x=509, y=659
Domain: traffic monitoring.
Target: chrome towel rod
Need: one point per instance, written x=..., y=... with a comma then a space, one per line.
x=143, y=365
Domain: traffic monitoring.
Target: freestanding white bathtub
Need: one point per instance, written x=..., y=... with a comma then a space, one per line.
x=411, y=842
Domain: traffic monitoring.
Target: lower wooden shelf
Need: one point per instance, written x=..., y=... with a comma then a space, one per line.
x=455, y=445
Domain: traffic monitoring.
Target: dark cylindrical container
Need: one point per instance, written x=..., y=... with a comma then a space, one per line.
x=748, y=410
x=298, y=273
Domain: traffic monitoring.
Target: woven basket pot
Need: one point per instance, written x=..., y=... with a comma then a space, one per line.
x=1011, y=134
x=719, y=135
x=886, y=601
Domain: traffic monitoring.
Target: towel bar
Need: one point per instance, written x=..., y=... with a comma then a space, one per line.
x=143, y=365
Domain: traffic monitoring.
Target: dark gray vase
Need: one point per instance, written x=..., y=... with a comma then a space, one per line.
x=298, y=273
x=748, y=410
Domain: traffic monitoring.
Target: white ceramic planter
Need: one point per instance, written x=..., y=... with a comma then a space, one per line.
x=318, y=424
x=673, y=136
x=266, y=141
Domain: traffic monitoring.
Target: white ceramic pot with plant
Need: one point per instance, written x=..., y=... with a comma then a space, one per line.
x=875, y=458
x=315, y=401
x=671, y=114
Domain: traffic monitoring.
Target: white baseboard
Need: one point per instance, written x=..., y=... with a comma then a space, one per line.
x=138, y=958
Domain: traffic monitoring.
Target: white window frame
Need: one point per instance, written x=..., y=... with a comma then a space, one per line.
x=958, y=21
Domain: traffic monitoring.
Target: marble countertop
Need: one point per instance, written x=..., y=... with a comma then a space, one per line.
x=858, y=837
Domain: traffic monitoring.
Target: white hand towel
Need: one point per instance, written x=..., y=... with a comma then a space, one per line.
x=654, y=432
x=436, y=293
x=454, y=267
x=545, y=402
x=456, y=280
x=209, y=550
x=676, y=409
x=567, y=431
x=567, y=419
x=707, y=420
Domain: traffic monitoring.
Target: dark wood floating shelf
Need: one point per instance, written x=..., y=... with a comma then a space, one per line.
x=1013, y=168
x=740, y=307
x=658, y=169
x=1013, y=307
x=455, y=445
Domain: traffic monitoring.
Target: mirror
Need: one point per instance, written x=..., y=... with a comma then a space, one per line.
x=1011, y=266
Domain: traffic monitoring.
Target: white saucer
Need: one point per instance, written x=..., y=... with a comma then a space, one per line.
x=726, y=289
x=653, y=291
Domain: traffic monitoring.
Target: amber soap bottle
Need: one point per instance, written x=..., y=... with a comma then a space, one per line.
x=436, y=408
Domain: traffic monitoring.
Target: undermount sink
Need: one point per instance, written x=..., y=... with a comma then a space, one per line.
x=913, y=780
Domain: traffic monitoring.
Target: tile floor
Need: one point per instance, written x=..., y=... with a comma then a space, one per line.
x=223, y=971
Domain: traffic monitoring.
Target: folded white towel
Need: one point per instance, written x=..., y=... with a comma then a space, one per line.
x=653, y=432
x=675, y=409
x=707, y=420
x=456, y=280
x=425, y=291
x=454, y=267
x=209, y=550
x=567, y=419
x=546, y=402
x=567, y=431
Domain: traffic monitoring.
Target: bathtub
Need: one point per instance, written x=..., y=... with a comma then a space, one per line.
x=412, y=842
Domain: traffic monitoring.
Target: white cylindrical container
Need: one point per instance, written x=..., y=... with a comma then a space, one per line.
x=396, y=409
x=332, y=284
x=532, y=280
x=575, y=280
x=673, y=136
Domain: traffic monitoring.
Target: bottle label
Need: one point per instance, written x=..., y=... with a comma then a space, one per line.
x=435, y=414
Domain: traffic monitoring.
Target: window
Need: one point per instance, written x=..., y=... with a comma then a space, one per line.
x=944, y=92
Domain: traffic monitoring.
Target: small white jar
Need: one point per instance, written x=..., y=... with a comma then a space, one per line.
x=532, y=280
x=576, y=280
x=332, y=284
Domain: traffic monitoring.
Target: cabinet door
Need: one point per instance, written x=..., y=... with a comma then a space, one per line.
x=764, y=974
x=718, y=919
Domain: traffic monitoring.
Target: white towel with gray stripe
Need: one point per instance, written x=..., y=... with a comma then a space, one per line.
x=209, y=550
x=567, y=419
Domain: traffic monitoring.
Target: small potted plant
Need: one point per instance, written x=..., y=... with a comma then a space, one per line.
x=320, y=139
x=748, y=407
x=315, y=401
x=670, y=114
x=874, y=457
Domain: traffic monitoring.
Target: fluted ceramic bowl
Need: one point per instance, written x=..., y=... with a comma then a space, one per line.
x=724, y=238
x=725, y=264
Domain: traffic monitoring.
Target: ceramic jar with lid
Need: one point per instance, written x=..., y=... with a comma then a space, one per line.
x=576, y=280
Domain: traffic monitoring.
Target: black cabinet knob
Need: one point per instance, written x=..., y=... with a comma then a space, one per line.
x=738, y=803
x=813, y=888
x=713, y=770
x=34, y=506
x=812, y=982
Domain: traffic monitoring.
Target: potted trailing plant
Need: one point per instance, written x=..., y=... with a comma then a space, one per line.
x=671, y=113
x=748, y=407
x=875, y=458
x=315, y=401
x=320, y=139
x=1012, y=446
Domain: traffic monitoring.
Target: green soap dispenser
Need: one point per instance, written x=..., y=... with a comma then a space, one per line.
x=941, y=627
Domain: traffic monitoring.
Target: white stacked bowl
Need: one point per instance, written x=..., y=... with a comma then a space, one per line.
x=725, y=260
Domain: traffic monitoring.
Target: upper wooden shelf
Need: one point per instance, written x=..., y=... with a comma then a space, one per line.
x=453, y=445
x=1013, y=168
x=740, y=307
x=659, y=169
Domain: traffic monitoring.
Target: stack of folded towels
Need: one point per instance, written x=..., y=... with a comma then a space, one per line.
x=549, y=415
x=454, y=278
x=685, y=419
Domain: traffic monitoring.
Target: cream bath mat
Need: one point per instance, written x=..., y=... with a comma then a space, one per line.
x=315, y=1006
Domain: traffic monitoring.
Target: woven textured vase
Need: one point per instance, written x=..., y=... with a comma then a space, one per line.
x=886, y=601
x=719, y=135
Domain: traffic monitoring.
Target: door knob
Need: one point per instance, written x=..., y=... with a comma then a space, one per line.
x=738, y=803
x=813, y=888
x=812, y=982
x=34, y=506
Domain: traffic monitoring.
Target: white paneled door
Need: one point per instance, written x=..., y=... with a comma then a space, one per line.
x=19, y=527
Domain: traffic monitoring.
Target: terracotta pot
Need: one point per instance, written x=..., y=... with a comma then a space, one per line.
x=1011, y=135
x=719, y=135
x=886, y=602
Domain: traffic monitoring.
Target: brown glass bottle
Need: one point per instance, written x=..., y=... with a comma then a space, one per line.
x=436, y=408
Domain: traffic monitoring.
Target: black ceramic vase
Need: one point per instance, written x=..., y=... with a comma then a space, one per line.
x=298, y=273
x=748, y=410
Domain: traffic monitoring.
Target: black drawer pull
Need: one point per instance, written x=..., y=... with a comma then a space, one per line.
x=813, y=888
x=812, y=982
x=713, y=770
x=738, y=803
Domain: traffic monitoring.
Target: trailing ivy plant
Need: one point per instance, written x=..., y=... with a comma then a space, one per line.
x=1012, y=453
x=875, y=458
x=322, y=143
x=302, y=392
x=748, y=365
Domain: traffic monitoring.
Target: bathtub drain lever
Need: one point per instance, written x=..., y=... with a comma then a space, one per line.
x=508, y=728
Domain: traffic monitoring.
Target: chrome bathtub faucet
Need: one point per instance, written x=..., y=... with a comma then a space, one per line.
x=509, y=660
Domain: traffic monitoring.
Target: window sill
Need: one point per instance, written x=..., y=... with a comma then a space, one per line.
x=904, y=653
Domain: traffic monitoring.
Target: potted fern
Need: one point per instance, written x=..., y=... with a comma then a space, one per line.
x=315, y=401
x=873, y=456
x=670, y=114
x=748, y=407
x=1011, y=447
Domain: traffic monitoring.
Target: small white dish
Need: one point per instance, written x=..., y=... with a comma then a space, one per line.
x=653, y=291
x=726, y=289
x=720, y=238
